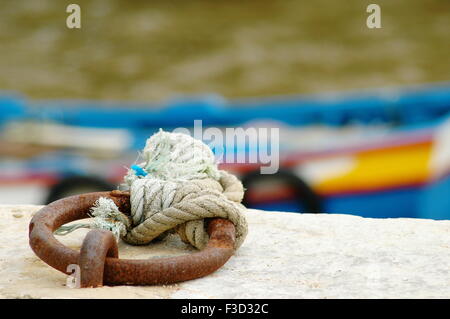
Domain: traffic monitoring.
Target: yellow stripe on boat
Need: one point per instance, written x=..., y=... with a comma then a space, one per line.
x=382, y=169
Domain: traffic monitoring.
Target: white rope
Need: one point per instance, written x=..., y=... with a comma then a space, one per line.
x=174, y=189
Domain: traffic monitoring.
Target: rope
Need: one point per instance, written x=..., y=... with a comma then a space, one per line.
x=173, y=190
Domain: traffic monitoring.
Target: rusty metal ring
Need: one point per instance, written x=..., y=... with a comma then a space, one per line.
x=98, y=257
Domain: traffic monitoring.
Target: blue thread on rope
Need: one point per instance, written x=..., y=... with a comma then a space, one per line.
x=139, y=170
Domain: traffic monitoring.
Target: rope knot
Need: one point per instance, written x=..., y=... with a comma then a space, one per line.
x=176, y=187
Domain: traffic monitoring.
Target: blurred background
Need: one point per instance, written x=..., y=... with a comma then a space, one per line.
x=362, y=112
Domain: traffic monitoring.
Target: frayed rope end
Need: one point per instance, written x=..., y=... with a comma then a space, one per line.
x=106, y=215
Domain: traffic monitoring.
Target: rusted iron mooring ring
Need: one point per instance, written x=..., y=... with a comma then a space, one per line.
x=98, y=258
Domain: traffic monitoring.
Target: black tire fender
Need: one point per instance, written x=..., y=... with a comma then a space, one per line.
x=305, y=195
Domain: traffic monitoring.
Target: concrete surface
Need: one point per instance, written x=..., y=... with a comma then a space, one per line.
x=284, y=256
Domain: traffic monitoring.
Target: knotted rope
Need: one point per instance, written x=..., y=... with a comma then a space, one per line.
x=174, y=189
